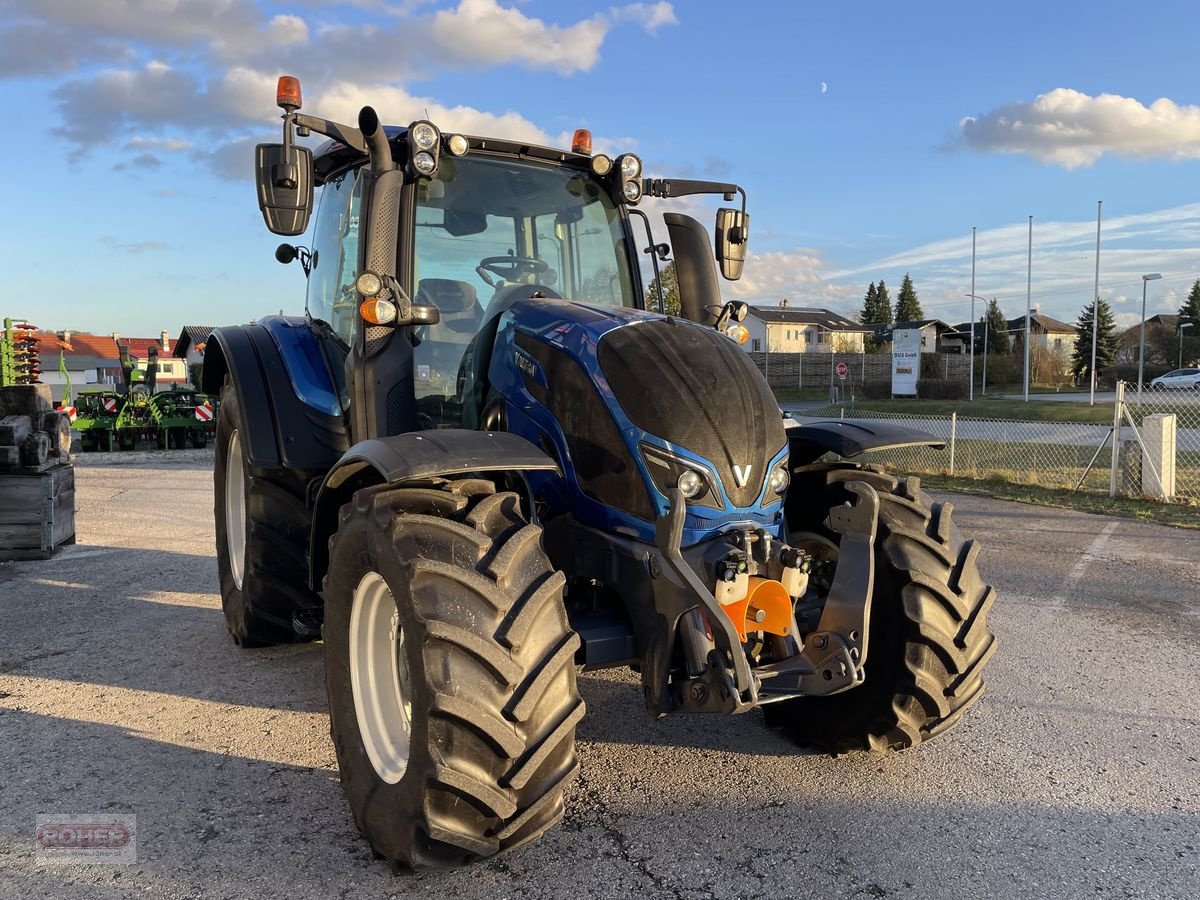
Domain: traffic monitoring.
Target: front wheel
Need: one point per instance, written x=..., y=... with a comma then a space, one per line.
x=262, y=537
x=929, y=639
x=450, y=670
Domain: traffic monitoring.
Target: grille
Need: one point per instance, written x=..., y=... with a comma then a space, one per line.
x=693, y=387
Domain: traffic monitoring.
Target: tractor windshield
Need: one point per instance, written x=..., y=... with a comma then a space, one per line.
x=490, y=229
x=490, y=223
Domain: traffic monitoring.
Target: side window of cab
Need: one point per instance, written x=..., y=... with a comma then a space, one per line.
x=331, y=296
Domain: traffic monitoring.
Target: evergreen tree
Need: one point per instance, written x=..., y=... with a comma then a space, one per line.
x=1106, y=342
x=908, y=307
x=1191, y=306
x=874, y=312
x=870, y=301
x=670, y=286
x=997, y=329
x=885, y=303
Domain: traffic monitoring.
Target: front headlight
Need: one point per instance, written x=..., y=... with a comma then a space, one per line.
x=668, y=471
x=780, y=478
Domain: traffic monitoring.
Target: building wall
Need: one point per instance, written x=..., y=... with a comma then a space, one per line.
x=787, y=337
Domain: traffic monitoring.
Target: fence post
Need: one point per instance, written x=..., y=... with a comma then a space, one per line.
x=1118, y=409
x=800, y=371
x=953, y=438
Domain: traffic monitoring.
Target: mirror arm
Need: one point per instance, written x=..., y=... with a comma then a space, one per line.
x=679, y=187
x=653, y=250
x=351, y=137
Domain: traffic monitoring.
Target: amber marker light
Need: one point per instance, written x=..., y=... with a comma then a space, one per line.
x=377, y=312
x=287, y=93
x=739, y=333
x=582, y=142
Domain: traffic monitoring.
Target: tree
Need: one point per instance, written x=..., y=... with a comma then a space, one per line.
x=1191, y=306
x=997, y=329
x=1106, y=341
x=874, y=312
x=908, y=307
x=870, y=310
x=884, y=301
x=670, y=284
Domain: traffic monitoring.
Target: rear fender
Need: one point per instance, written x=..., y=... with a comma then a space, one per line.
x=406, y=458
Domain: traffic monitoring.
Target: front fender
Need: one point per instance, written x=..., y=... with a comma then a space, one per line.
x=403, y=458
x=284, y=389
x=812, y=440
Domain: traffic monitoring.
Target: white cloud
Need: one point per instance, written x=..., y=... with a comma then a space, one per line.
x=1063, y=281
x=1071, y=129
x=396, y=105
x=651, y=16
x=482, y=33
x=287, y=30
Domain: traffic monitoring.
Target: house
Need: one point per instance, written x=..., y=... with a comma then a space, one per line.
x=798, y=329
x=190, y=343
x=169, y=369
x=1044, y=332
x=936, y=335
x=74, y=360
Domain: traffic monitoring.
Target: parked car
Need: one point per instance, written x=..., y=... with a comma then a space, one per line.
x=1180, y=378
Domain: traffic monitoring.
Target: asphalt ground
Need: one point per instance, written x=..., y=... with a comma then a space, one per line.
x=1075, y=776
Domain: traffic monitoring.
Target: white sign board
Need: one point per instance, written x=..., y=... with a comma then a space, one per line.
x=906, y=361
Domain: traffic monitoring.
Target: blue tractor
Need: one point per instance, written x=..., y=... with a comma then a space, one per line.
x=485, y=459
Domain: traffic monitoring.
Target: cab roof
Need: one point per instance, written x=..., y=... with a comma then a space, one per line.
x=332, y=157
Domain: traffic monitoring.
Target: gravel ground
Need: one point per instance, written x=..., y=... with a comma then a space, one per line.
x=1075, y=776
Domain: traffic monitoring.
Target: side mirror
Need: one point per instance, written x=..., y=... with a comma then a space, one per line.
x=733, y=233
x=284, y=177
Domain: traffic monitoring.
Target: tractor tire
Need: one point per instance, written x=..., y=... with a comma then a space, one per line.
x=262, y=538
x=929, y=636
x=104, y=441
x=126, y=440
x=455, y=735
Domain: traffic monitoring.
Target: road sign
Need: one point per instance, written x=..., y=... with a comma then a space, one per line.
x=842, y=369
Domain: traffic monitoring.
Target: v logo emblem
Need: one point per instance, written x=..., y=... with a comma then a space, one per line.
x=741, y=475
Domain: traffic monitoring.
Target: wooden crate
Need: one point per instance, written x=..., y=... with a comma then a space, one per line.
x=37, y=513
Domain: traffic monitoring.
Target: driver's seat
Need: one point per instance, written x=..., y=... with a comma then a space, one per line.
x=458, y=305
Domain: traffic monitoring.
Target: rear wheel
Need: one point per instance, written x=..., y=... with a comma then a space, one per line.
x=450, y=669
x=929, y=639
x=262, y=537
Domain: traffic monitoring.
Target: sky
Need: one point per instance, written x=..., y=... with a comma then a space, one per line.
x=871, y=137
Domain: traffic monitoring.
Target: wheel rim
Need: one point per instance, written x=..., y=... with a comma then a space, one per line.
x=379, y=678
x=235, y=509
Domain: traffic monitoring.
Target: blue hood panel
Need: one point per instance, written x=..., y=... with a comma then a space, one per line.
x=539, y=344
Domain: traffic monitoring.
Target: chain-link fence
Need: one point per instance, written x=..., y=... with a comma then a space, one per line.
x=1157, y=446
x=819, y=370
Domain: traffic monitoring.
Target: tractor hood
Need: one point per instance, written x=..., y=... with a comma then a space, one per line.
x=629, y=400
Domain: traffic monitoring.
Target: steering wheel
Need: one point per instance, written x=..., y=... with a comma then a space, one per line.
x=509, y=267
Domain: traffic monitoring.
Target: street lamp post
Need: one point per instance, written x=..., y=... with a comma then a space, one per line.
x=1153, y=276
x=971, y=363
x=973, y=297
x=1182, y=325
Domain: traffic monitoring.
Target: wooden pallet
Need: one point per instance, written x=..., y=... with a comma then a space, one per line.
x=37, y=513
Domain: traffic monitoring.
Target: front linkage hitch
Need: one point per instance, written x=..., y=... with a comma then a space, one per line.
x=827, y=661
